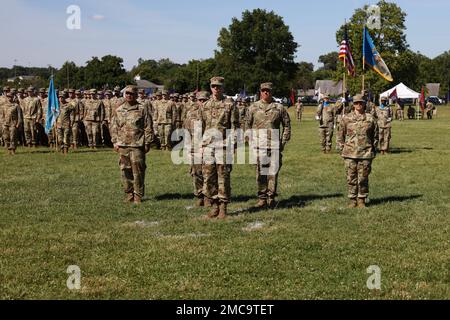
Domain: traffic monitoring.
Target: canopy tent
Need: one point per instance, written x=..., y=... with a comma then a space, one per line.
x=403, y=92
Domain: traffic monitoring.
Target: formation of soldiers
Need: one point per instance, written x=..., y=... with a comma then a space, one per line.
x=132, y=123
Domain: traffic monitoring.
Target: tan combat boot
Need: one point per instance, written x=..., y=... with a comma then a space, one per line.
x=129, y=198
x=222, y=210
x=200, y=202
x=137, y=200
x=352, y=204
x=262, y=203
x=207, y=202
x=361, y=203
x=271, y=203
x=214, y=212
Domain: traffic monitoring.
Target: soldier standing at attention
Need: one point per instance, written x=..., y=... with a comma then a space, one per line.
x=132, y=134
x=299, y=109
x=93, y=117
x=268, y=118
x=358, y=140
x=218, y=116
x=32, y=114
x=429, y=110
x=11, y=119
x=165, y=117
x=326, y=117
x=192, y=120
x=64, y=122
x=384, y=116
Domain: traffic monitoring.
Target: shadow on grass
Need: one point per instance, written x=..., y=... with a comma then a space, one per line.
x=377, y=201
x=187, y=196
x=407, y=150
x=297, y=201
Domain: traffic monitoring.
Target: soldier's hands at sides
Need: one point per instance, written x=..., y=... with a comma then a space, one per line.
x=116, y=149
x=147, y=148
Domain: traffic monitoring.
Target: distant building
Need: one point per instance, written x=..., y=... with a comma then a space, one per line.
x=329, y=87
x=22, y=78
x=433, y=89
x=148, y=86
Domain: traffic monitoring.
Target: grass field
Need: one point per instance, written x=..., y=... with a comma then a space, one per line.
x=58, y=211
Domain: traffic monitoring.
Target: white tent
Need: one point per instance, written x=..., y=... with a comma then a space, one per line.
x=403, y=92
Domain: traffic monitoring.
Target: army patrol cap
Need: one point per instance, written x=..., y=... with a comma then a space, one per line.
x=359, y=98
x=21, y=90
x=116, y=88
x=217, y=81
x=42, y=90
x=14, y=90
x=108, y=93
x=203, y=95
x=158, y=94
x=325, y=96
x=165, y=93
x=62, y=94
x=131, y=88
x=266, y=86
x=31, y=89
x=71, y=90
x=6, y=88
x=93, y=91
x=141, y=91
x=77, y=92
x=384, y=98
x=176, y=95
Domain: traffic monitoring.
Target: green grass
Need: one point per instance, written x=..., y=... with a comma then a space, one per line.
x=58, y=211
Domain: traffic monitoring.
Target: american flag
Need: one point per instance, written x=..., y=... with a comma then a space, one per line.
x=345, y=54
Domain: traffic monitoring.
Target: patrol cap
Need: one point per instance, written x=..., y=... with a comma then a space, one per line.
x=21, y=90
x=77, y=92
x=93, y=91
x=192, y=94
x=359, y=98
x=217, y=81
x=165, y=92
x=42, y=90
x=203, y=95
x=116, y=88
x=266, y=86
x=14, y=90
x=141, y=91
x=71, y=90
x=6, y=88
x=108, y=92
x=176, y=95
x=325, y=96
x=158, y=94
x=131, y=88
x=384, y=98
x=30, y=89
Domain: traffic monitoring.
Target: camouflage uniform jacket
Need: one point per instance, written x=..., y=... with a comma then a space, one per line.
x=10, y=114
x=193, y=115
x=358, y=136
x=326, y=115
x=94, y=111
x=107, y=103
x=219, y=115
x=131, y=126
x=384, y=116
x=66, y=116
x=263, y=115
x=31, y=108
x=165, y=112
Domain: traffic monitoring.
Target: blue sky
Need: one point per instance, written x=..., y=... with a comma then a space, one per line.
x=36, y=31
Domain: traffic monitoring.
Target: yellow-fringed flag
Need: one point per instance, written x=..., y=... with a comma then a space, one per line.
x=372, y=57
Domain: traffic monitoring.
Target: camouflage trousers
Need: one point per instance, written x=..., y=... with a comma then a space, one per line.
x=358, y=171
x=326, y=136
x=75, y=135
x=197, y=178
x=10, y=137
x=216, y=175
x=384, y=138
x=29, y=126
x=132, y=168
x=1, y=135
x=64, y=136
x=267, y=174
x=92, y=131
x=164, y=132
x=299, y=114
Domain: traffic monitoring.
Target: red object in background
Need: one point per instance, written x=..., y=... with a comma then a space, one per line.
x=292, y=96
x=422, y=100
x=393, y=95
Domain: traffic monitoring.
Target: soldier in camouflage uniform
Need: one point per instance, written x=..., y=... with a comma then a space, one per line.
x=243, y=110
x=11, y=119
x=384, y=116
x=264, y=117
x=192, y=121
x=218, y=116
x=132, y=134
x=326, y=116
x=299, y=109
x=77, y=123
x=165, y=117
x=358, y=140
x=32, y=114
x=64, y=122
x=93, y=117
x=108, y=107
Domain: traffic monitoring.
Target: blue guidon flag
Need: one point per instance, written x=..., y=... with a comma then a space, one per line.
x=372, y=57
x=52, y=108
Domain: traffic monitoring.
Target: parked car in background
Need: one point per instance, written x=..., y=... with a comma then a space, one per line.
x=308, y=100
x=434, y=100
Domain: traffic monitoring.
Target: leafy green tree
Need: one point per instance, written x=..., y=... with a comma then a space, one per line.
x=255, y=49
x=105, y=72
x=330, y=61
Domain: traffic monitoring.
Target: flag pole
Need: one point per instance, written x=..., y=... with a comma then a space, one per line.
x=344, y=83
x=364, y=58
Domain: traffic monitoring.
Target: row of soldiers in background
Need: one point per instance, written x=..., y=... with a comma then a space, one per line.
x=88, y=116
x=330, y=116
x=412, y=111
